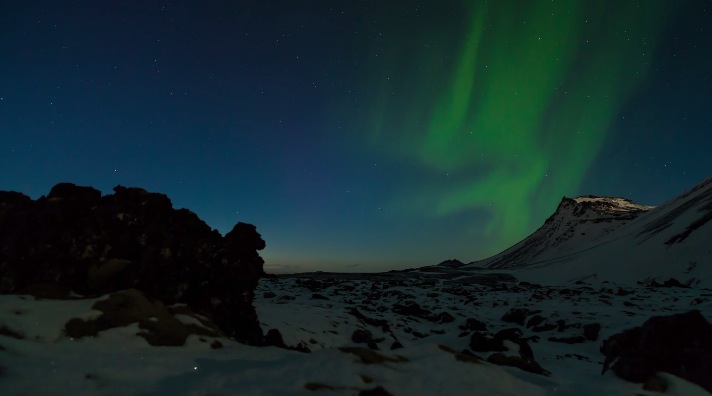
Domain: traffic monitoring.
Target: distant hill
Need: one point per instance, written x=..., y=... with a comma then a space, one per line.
x=617, y=239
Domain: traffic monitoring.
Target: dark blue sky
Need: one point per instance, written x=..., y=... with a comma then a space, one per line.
x=359, y=135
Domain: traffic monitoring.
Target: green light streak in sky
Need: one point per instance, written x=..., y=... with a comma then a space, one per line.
x=520, y=114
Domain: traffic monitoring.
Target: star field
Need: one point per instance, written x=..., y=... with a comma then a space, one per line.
x=360, y=135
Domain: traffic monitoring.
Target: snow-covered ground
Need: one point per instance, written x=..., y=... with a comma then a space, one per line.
x=323, y=311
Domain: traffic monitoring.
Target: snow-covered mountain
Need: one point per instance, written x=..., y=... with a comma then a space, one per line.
x=616, y=239
x=576, y=222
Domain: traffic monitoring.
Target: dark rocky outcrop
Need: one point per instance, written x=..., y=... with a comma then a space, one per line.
x=76, y=240
x=158, y=325
x=472, y=324
x=516, y=315
x=591, y=330
x=524, y=359
x=678, y=344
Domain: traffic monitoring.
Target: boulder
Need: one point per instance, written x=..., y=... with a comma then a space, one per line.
x=158, y=326
x=679, y=344
x=591, y=330
x=516, y=315
x=473, y=325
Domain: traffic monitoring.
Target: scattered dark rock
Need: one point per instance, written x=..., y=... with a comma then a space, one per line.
x=568, y=340
x=516, y=315
x=76, y=240
x=464, y=356
x=560, y=325
x=410, y=308
x=545, y=327
x=590, y=331
x=622, y=292
x=655, y=384
x=679, y=344
x=672, y=282
x=444, y=317
x=396, y=345
x=216, y=345
x=361, y=336
x=480, y=342
x=473, y=325
x=317, y=296
x=317, y=386
x=535, y=320
x=377, y=391
x=8, y=332
x=274, y=338
x=369, y=356
x=131, y=306
x=519, y=362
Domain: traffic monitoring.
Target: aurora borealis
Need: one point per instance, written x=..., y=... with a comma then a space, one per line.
x=361, y=135
x=525, y=104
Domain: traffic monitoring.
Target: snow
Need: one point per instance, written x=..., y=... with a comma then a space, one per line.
x=118, y=362
x=615, y=204
x=601, y=245
x=322, y=311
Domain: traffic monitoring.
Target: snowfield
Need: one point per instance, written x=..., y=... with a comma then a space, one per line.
x=323, y=312
x=532, y=320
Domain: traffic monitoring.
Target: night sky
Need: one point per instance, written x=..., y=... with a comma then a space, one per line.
x=360, y=135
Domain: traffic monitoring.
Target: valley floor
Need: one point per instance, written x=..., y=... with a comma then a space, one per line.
x=403, y=332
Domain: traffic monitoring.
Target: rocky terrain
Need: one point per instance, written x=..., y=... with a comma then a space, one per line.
x=123, y=295
x=74, y=241
x=565, y=335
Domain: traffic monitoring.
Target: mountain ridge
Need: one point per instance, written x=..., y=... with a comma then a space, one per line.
x=609, y=238
x=588, y=216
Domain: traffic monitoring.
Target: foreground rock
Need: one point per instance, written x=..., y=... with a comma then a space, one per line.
x=76, y=240
x=678, y=344
x=157, y=323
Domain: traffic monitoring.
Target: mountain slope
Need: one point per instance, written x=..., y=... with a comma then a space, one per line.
x=576, y=222
x=672, y=240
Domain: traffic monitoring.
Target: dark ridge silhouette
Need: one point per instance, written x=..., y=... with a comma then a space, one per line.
x=75, y=240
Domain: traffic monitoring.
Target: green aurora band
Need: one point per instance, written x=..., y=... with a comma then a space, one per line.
x=508, y=107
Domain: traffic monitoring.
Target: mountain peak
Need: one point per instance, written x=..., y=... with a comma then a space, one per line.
x=576, y=222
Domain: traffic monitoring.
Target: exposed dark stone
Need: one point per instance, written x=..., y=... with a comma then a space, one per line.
x=622, y=292
x=377, y=391
x=545, y=327
x=396, y=345
x=568, y=340
x=535, y=320
x=75, y=240
x=561, y=325
x=8, y=332
x=519, y=362
x=672, y=282
x=444, y=317
x=317, y=296
x=479, y=342
x=590, y=331
x=678, y=344
x=158, y=326
x=516, y=315
x=473, y=325
x=410, y=308
x=361, y=336
x=274, y=338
